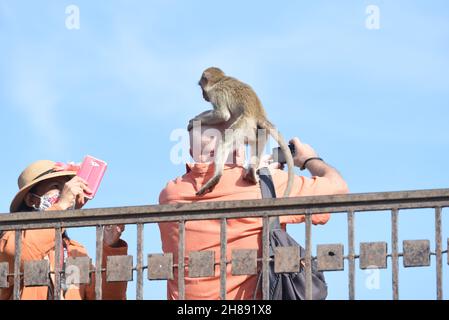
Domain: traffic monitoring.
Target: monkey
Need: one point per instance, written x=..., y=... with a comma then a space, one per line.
x=237, y=105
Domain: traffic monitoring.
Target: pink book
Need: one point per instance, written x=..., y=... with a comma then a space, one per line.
x=92, y=170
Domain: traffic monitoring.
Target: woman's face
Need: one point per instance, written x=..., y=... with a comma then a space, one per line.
x=51, y=186
x=48, y=187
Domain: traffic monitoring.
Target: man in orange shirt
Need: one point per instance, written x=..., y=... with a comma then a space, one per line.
x=242, y=233
x=44, y=186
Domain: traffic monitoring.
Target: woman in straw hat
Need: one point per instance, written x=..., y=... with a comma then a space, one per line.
x=43, y=186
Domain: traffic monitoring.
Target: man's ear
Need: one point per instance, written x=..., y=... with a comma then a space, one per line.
x=30, y=200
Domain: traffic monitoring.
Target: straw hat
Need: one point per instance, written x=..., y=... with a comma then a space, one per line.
x=36, y=172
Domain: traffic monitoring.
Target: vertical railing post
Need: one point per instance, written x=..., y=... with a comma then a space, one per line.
x=265, y=258
x=17, y=260
x=309, y=293
x=394, y=253
x=139, y=267
x=351, y=255
x=223, y=258
x=57, y=268
x=98, y=264
x=439, y=257
x=181, y=253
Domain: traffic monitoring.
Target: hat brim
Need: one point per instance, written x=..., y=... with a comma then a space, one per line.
x=18, y=199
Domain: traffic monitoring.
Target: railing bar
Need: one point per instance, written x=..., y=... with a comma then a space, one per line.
x=265, y=257
x=98, y=264
x=439, y=258
x=394, y=255
x=181, y=249
x=309, y=293
x=347, y=257
x=139, y=267
x=114, y=217
x=399, y=255
x=198, y=211
x=351, y=254
x=58, y=257
x=223, y=258
x=17, y=260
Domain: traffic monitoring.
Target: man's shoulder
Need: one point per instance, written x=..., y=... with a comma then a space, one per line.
x=174, y=188
x=166, y=191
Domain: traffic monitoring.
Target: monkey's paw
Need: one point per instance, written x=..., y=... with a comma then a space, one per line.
x=202, y=191
x=209, y=186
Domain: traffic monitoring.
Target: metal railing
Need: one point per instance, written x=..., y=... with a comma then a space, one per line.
x=161, y=266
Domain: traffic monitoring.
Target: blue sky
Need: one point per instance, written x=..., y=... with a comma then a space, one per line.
x=373, y=103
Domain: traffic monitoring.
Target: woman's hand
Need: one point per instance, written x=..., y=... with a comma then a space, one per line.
x=112, y=233
x=73, y=194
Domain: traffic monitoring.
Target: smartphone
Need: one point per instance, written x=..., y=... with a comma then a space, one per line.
x=92, y=170
x=278, y=155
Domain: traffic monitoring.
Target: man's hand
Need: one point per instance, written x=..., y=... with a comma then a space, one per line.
x=267, y=161
x=112, y=233
x=303, y=152
x=318, y=168
x=73, y=194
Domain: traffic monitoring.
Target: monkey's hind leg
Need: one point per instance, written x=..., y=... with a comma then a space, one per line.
x=257, y=147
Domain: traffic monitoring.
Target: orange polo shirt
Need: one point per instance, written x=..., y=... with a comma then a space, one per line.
x=242, y=233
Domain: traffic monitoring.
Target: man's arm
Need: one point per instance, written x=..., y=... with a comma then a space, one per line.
x=327, y=181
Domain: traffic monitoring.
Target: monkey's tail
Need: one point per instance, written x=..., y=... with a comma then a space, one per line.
x=265, y=124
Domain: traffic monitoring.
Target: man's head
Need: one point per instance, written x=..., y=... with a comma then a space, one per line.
x=203, y=142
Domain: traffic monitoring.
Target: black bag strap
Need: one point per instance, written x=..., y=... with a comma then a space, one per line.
x=268, y=191
x=266, y=183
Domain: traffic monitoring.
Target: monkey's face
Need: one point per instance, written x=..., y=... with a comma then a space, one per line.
x=203, y=84
x=208, y=79
x=203, y=81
